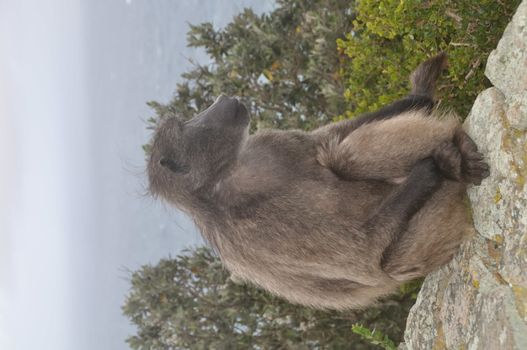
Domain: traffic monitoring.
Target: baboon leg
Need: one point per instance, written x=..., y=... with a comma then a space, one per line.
x=386, y=150
x=386, y=225
x=433, y=235
x=421, y=97
x=410, y=102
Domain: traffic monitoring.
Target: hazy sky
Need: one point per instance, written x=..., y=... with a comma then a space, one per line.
x=74, y=79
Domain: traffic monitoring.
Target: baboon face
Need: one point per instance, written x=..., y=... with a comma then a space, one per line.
x=194, y=155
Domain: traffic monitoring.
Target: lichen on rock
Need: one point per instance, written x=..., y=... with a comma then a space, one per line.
x=479, y=300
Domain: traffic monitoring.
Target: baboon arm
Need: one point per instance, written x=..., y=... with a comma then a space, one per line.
x=385, y=226
x=386, y=150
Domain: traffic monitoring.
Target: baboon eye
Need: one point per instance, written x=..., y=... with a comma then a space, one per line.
x=173, y=165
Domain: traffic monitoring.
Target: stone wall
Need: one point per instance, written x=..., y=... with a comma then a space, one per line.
x=479, y=300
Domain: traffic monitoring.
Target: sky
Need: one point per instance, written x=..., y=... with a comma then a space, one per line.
x=74, y=220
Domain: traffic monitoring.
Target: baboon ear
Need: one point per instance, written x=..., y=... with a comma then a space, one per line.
x=172, y=165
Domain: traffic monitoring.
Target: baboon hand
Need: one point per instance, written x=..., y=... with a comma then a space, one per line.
x=460, y=160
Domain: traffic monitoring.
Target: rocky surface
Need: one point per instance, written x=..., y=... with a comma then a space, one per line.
x=479, y=300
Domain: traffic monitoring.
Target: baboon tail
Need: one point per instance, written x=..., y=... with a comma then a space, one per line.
x=424, y=78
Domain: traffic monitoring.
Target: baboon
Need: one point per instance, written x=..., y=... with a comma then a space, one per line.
x=334, y=218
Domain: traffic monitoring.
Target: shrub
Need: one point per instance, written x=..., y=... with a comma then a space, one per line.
x=391, y=37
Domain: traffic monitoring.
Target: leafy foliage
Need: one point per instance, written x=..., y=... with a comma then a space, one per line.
x=284, y=65
x=374, y=337
x=391, y=37
x=190, y=303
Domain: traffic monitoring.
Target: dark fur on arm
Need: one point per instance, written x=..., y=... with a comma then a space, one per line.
x=391, y=220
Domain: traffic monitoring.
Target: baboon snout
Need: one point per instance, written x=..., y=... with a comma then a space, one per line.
x=225, y=111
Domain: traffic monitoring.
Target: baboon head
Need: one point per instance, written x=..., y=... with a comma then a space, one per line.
x=188, y=158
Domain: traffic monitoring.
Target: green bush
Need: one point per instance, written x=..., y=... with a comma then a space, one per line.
x=391, y=37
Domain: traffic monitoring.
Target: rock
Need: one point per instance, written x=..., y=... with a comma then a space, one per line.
x=479, y=300
x=506, y=65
